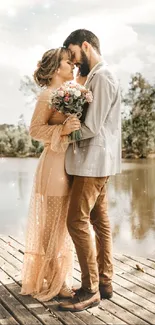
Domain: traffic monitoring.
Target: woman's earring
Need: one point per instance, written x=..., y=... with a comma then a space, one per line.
x=58, y=71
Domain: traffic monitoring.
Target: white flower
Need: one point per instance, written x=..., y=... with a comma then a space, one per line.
x=77, y=93
x=61, y=93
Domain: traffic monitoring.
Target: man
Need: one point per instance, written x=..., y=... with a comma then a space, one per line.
x=98, y=155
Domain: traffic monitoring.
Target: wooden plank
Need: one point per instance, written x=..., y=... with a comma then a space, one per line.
x=151, y=259
x=120, y=312
x=16, y=309
x=89, y=318
x=11, y=259
x=133, y=297
x=11, y=242
x=107, y=316
x=140, y=283
x=6, y=318
x=141, y=260
x=135, y=287
x=9, y=263
x=132, y=263
x=132, y=270
x=17, y=240
x=34, y=306
x=9, y=269
x=11, y=250
x=133, y=308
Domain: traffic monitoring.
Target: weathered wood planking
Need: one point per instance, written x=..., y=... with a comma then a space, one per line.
x=133, y=301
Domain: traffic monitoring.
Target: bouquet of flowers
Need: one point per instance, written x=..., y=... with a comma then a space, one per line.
x=72, y=98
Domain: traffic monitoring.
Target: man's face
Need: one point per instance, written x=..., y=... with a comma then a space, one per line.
x=80, y=59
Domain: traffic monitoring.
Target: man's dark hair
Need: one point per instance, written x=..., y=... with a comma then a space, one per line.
x=79, y=36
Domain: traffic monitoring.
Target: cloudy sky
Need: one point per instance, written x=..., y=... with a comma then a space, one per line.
x=126, y=29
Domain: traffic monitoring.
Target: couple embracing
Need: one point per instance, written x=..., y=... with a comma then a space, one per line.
x=70, y=189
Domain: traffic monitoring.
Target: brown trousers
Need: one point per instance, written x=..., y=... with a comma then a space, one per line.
x=89, y=204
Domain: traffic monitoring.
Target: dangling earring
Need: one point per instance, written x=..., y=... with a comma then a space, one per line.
x=58, y=71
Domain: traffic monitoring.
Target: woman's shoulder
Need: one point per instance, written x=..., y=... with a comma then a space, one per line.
x=44, y=95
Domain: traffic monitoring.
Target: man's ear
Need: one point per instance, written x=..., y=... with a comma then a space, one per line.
x=85, y=46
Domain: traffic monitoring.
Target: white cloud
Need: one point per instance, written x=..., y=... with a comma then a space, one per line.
x=5, y=5
x=11, y=12
x=141, y=14
x=24, y=60
x=133, y=11
x=113, y=34
x=130, y=63
x=151, y=49
x=112, y=3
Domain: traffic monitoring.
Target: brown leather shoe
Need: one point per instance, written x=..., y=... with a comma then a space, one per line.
x=81, y=301
x=106, y=291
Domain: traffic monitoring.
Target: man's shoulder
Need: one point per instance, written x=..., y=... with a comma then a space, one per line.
x=106, y=76
x=106, y=72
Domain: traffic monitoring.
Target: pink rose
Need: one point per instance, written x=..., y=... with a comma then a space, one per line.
x=89, y=97
x=66, y=99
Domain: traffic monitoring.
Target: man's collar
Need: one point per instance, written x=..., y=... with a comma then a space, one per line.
x=94, y=70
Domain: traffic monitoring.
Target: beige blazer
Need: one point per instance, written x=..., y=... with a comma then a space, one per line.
x=98, y=154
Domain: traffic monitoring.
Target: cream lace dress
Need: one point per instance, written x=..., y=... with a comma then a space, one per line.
x=48, y=259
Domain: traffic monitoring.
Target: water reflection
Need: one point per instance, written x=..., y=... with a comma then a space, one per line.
x=131, y=202
x=132, y=207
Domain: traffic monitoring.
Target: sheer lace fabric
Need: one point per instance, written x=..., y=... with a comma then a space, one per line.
x=48, y=259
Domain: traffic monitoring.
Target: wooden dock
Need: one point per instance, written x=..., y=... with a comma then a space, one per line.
x=133, y=301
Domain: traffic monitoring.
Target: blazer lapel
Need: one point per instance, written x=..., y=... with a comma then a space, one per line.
x=92, y=73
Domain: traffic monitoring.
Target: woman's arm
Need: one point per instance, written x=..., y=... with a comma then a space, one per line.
x=40, y=129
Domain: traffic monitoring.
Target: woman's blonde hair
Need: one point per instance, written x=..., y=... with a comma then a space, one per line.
x=47, y=66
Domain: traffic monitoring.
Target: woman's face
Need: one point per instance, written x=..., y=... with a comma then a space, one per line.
x=65, y=70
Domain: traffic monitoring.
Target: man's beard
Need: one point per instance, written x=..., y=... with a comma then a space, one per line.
x=84, y=65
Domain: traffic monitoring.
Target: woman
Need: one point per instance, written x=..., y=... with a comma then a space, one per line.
x=48, y=258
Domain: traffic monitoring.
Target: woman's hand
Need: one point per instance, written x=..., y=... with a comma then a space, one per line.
x=72, y=124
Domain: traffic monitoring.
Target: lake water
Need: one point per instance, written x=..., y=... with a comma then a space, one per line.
x=131, y=203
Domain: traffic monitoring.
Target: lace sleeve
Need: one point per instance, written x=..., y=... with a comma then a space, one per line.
x=39, y=128
x=59, y=143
